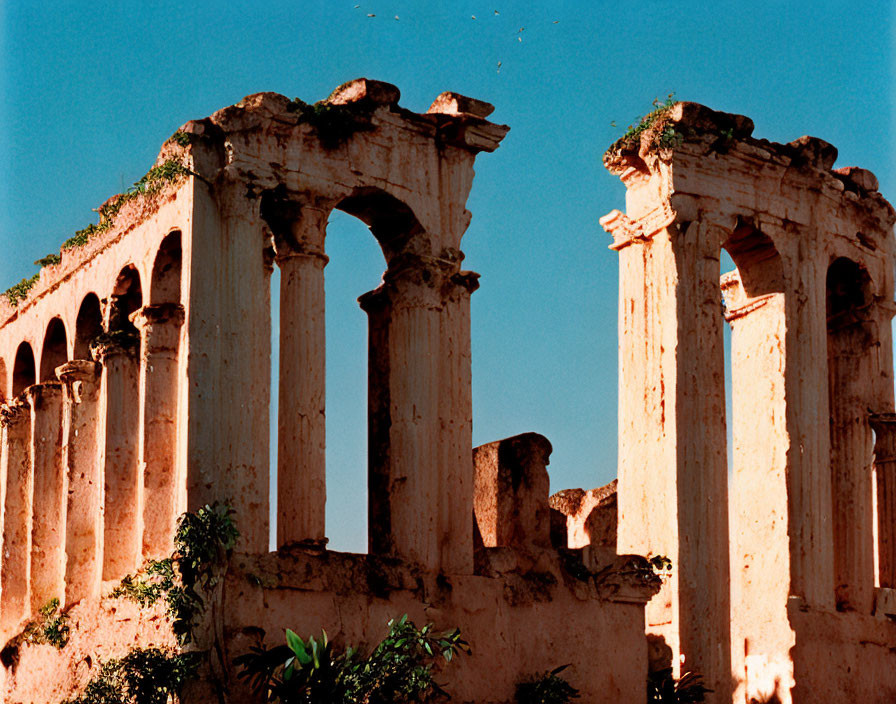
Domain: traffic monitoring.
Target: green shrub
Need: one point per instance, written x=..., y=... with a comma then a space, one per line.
x=663, y=689
x=398, y=670
x=547, y=688
x=202, y=543
x=143, y=676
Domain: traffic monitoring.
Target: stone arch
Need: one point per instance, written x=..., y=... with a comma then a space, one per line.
x=3, y=380
x=55, y=350
x=88, y=325
x=391, y=221
x=166, y=271
x=852, y=339
x=758, y=261
x=127, y=297
x=23, y=373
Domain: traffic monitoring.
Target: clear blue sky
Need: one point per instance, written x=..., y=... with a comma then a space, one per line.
x=91, y=90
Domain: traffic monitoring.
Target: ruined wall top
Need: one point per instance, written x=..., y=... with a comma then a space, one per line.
x=685, y=151
x=307, y=147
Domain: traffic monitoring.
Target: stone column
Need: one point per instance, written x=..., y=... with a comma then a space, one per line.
x=456, y=422
x=227, y=346
x=301, y=422
x=761, y=636
x=122, y=505
x=50, y=490
x=673, y=470
x=81, y=458
x=412, y=445
x=850, y=367
x=884, y=426
x=160, y=329
x=808, y=418
x=17, y=513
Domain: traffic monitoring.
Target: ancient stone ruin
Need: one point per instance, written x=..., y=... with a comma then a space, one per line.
x=135, y=374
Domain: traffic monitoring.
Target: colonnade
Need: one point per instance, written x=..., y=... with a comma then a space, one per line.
x=88, y=469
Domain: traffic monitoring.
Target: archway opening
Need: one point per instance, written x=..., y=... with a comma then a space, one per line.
x=127, y=297
x=55, y=350
x=166, y=271
x=88, y=325
x=23, y=373
x=355, y=267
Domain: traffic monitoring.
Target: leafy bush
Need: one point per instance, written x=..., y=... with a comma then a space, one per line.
x=19, y=292
x=201, y=545
x=398, y=670
x=663, y=689
x=547, y=688
x=143, y=676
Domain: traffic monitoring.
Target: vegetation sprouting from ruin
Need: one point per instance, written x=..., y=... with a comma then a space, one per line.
x=182, y=138
x=152, y=182
x=19, y=291
x=202, y=544
x=334, y=124
x=143, y=676
x=665, y=136
x=546, y=688
x=48, y=260
x=50, y=629
x=399, y=669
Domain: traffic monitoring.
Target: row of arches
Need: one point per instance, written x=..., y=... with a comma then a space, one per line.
x=89, y=464
x=126, y=298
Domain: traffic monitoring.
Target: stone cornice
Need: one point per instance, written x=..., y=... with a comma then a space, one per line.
x=626, y=231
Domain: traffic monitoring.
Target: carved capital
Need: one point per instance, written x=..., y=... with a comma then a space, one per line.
x=45, y=390
x=303, y=253
x=159, y=326
x=169, y=314
x=79, y=377
x=630, y=579
x=376, y=301
x=117, y=343
x=626, y=231
x=14, y=411
x=465, y=282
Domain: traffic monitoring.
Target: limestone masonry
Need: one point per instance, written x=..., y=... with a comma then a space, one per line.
x=135, y=380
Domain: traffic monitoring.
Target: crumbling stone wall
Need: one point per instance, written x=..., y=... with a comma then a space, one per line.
x=136, y=386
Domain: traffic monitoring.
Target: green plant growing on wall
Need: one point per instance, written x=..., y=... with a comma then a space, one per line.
x=202, y=545
x=546, y=688
x=334, y=124
x=48, y=260
x=143, y=676
x=50, y=629
x=168, y=172
x=19, y=292
x=665, y=134
x=182, y=138
x=398, y=670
